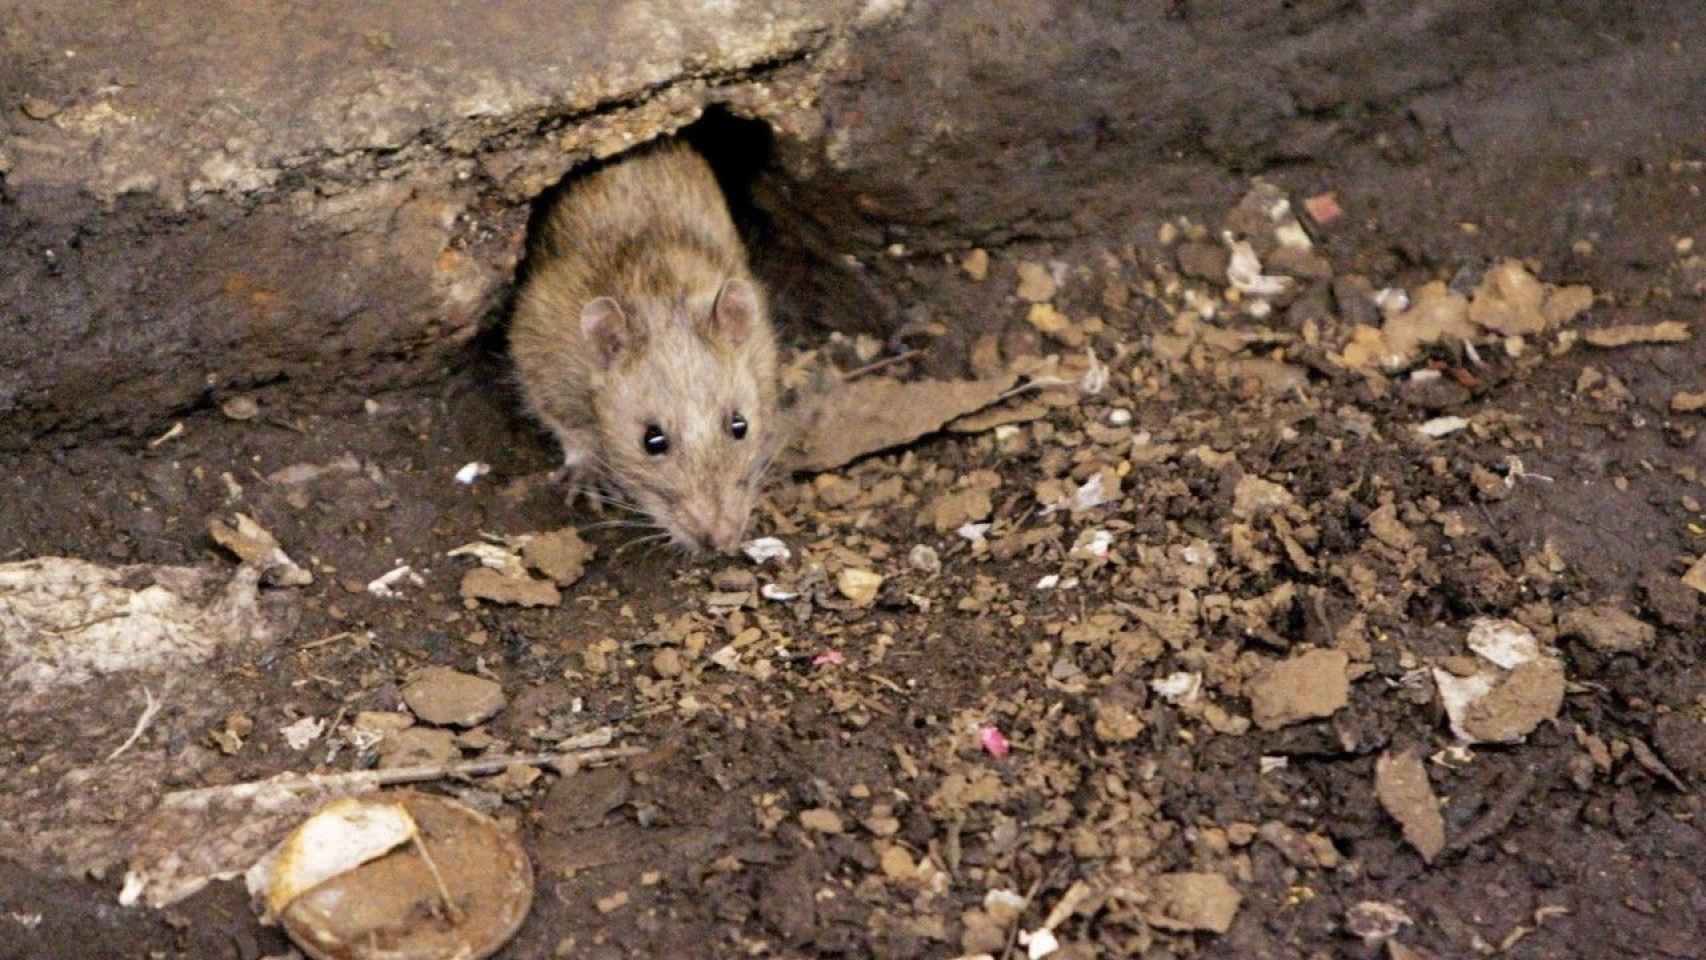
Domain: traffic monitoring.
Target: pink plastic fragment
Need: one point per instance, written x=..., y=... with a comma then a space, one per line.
x=828, y=658
x=994, y=743
x=1323, y=208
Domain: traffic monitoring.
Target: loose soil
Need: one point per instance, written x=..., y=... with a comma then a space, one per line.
x=820, y=777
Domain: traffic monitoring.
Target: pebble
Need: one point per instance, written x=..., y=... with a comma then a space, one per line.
x=440, y=695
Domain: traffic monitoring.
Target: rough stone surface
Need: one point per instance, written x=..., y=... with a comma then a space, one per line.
x=241, y=196
x=339, y=195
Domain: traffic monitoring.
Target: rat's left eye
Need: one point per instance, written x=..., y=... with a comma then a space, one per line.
x=737, y=426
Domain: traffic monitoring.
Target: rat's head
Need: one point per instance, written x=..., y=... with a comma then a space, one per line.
x=687, y=407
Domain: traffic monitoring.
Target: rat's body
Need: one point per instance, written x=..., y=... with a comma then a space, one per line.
x=643, y=342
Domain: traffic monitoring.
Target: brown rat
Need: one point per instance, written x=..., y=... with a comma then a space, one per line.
x=643, y=342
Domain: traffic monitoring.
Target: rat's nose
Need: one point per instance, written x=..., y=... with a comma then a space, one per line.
x=715, y=528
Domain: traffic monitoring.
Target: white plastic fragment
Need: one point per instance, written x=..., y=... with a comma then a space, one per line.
x=772, y=591
x=1092, y=494
x=1392, y=300
x=1049, y=582
x=1457, y=694
x=1442, y=426
x=974, y=532
x=1094, y=544
x=1504, y=642
x=381, y=586
x=502, y=559
x=1244, y=272
x=765, y=549
x=1039, y=943
x=1181, y=687
x=299, y=735
x=471, y=472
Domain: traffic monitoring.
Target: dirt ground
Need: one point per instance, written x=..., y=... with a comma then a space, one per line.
x=843, y=774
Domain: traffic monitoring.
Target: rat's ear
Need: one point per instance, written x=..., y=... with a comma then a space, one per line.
x=734, y=314
x=604, y=323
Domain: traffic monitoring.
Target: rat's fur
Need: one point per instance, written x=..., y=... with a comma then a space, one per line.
x=685, y=344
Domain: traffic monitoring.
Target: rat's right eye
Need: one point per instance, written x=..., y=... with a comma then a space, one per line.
x=655, y=442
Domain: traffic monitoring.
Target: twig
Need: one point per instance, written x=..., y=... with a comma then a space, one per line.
x=150, y=709
x=356, y=781
x=879, y=364
x=456, y=916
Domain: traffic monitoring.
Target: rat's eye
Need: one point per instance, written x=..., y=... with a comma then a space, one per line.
x=655, y=442
x=737, y=426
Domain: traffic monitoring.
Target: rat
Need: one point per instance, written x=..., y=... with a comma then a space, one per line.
x=643, y=342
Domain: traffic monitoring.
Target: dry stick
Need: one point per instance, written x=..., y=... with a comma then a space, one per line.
x=879, y=364
x=455, y=915
x=367, y=779
x=150, y=709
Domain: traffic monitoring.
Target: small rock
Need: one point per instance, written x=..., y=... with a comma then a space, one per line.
x=561, y=555
x=821, y=820
x=1685, y=402
x=1401, y=782
x=258, y=548
x=1036, y=285
x=1608, y=629
x=924, y=559
x=951, y=511
x=240, y=408
x=1192, y=901
x=897, y=864
x=1374, y=921
x=418, y=747
x=38, y=109
x=976, y=264
x=1116, y=721
x=1300, y=263
x=1204, y=261
x=859, y=586
x=484, y=583
x=440, y=695
x=1314, y=684
x=1696, y=576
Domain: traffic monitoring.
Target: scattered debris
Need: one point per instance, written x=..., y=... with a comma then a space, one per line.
x=1505, y=700
x=193, y=837
x=256, y=547
x=409, y=875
